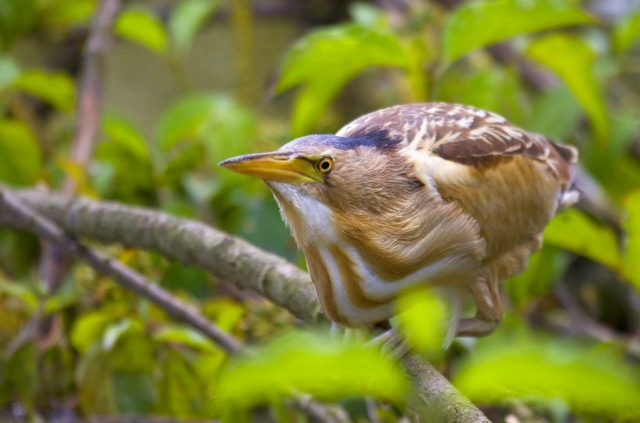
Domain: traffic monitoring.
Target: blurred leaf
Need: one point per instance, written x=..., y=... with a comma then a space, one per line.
x=78, y=174
x=142, y=27
x=123, y=148
x=613, y=167
x=180, y=389
x=187, y=18
x=544, y=266
x=95, y=386
x=556, y=114
x=214, y=124
x=184, y=335
x=193, y=280
x=423, y=318
x=574, y=231
x=482, y=23
x=20, y=157
x=19, y=377
x=541, y=370
x=225, y=313
x=573, y=60
x=55, y=88
x=16, y=18
x=21, y=292
x=64, y=297
x=324, y=367
x=631, y=261
x=66, y=13
x=325, y=60
x=88, y=328
x=368, y=15
x=492, y=88
x=135, y=392
x=9, y=72
x=626, y=32
x=114, y=332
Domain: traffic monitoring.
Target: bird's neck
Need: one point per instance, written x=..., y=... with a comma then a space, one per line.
x=310, y=220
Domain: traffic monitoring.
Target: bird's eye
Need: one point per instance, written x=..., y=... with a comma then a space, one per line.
x=325, y=165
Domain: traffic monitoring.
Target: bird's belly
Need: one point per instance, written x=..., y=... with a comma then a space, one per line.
x=354, y=295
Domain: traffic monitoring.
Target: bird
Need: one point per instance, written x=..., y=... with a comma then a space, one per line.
x=425, y=194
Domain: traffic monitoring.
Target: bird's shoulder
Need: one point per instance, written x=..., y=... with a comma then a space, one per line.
x=464, y=137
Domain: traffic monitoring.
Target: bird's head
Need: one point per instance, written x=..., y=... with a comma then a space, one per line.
x=319, y=178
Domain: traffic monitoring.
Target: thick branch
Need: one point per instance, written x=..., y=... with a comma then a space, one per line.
x=132, y=280
x=234, y=260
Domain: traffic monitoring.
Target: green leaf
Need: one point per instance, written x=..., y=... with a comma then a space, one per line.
x=631, y=261
x=20, y=291
x=56, y=88
x=63, y=14
x=574, y=231
x=185, y=336
x=122, y=148
x=88, y=328
x=94, y=381
x=543, y=267
x=20, y=157
x=16, y=18
x=482, y=23
x=555, y=113
x=142, y=27
x=493, y=88
x=135, y=392
x=187, y=18
x=572, y=60
x=325, y=367
x=542, y=370
x=423, y=319
x=324, y=61
x=181, y=391
x=625, y=34
x=116, y=331
x=213, y=124
x=9, y=71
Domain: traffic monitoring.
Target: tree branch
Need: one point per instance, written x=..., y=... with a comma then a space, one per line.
x=237, y=261
x=125, y=276
x=128, y=278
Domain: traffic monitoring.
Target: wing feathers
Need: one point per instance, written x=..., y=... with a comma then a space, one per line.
x=465, y=135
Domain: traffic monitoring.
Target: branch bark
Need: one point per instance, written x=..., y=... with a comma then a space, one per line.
x=237, y=261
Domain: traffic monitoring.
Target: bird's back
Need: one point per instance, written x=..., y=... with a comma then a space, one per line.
x=510, y=181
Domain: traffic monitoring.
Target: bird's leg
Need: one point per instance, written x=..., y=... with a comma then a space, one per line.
x=391, y=344
x=486, y=295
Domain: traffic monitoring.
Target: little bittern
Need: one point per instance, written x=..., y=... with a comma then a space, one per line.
x=433, y=193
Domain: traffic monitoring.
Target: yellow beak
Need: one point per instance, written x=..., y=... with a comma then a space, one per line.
x=288, y=167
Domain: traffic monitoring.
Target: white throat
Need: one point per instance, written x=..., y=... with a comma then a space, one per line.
x=313, y=223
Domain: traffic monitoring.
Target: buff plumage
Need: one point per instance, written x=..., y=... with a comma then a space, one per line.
x=431, y=193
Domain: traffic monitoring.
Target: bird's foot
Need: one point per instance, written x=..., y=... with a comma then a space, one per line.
x=476, y=327
x=391, y=344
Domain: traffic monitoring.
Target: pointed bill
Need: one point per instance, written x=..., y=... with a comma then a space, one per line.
x=287, y=167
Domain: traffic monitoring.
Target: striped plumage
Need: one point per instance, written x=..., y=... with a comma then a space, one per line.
x=434, y=193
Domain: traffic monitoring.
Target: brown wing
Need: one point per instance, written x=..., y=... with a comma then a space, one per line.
x=465, y=135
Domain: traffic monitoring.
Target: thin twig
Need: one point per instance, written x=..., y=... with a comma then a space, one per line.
x=54, y=265
x=89, y=101
x=236, y=261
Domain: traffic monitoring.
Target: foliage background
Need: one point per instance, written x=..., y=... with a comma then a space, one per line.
x=189, y=83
